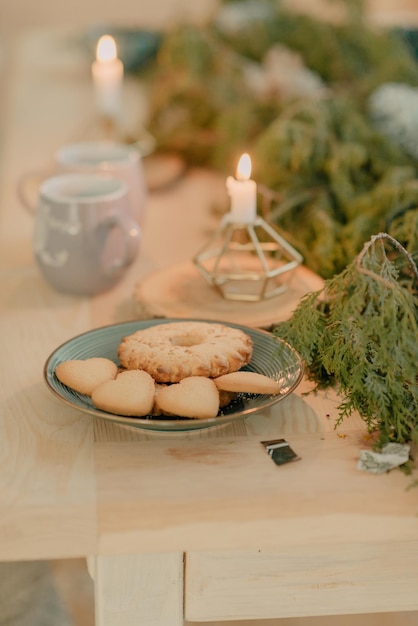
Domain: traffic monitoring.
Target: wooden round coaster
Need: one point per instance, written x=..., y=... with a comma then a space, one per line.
x=181, y=291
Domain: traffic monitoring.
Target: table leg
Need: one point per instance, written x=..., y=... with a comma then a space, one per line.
x=138, y=589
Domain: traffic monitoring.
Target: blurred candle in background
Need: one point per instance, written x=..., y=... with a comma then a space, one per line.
x=243, y=192
x=107, y=72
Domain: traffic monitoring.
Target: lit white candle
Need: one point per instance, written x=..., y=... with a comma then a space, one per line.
x=107, y=72
x=243, y=193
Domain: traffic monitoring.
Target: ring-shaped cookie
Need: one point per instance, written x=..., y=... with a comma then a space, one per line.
x=175, y=350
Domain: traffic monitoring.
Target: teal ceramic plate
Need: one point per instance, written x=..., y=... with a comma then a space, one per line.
x=271, y=356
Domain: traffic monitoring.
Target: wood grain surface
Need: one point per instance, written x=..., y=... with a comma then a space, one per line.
x=181, y=291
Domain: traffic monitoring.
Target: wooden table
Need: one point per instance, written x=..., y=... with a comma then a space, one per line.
x=196, y=526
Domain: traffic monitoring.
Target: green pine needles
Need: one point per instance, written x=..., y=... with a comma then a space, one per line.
x=338, y=177
x=360, y=332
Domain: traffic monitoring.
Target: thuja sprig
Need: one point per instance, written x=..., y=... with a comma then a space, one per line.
x=360, y=333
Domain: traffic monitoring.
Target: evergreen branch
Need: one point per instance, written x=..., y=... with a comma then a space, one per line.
x=204, y=106
x=396, y=244
x=360, y=334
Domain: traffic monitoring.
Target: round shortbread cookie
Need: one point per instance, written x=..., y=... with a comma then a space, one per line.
x=177, y=350
x=247, y=382
x=85, y=375
x=131, y=393
x=195, y=397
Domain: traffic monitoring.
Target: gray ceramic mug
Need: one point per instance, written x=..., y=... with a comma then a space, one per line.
x=85, y=237
x=108, y=157
x=93, y=157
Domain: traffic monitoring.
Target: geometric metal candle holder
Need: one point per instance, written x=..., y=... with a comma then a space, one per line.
x=247, y=261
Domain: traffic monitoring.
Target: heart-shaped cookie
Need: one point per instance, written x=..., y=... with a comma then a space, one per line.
x=131, y=393
x=85, y=375
x=195, y=396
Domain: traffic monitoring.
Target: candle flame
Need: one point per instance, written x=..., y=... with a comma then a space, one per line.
x=106, y=49
x=244, y=167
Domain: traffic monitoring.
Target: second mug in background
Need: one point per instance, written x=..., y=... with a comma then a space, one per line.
x=97, y=157
x=84, y=238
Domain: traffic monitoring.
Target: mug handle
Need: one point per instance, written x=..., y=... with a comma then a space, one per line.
x=131, y=237
x=22, y=187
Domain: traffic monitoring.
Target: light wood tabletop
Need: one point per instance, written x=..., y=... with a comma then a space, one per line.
x=198, y=526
